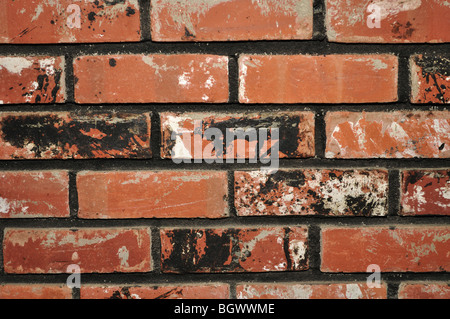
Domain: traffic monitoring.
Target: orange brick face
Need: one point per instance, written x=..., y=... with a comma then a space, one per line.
x=400, y=22
x=394, y=249
x=35, y=291
x=424, y=291
x=317, y=79
x=34, y=194
x=209, y=20
x=94, y=250
x=159, y=78
x=161, y=194
x=69, y=21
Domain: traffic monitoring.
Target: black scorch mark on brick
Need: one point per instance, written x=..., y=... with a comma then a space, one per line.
x=92, y=135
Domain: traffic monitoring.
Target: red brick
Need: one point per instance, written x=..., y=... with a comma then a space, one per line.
x=318, y=79
x=64, y=135
x=34, y=194
x=425, y=192
x=25, y=21
x=208, y=291
x=35, y=291
x=34, y=79
x=177, y=78
x=234, y=250
x=296, y=133
x=311, y=192
x=95, y=250
x=430, y=79
x=400, y=134
x=393, y=249
x=401, y=21
x=424, y=291
x=310, y=291
x=209, y=20
x=161, y=194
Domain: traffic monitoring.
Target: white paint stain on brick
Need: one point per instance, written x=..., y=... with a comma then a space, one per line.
x=4, y=206
x=353, y=291
x=15, y=65
x=123, y=254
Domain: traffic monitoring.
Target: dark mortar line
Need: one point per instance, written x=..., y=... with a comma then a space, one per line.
x=144, y=9
x=233, y=80
x=320, y=134
x=76, y=293
x=232, y=107
x=392, y=290
x=404, y=87
x=73, y=195
x=227, y=48
x=319, y=28
x=156, y=252
x=167, y=164
x=233, y=292
x=69, y=78
x=314, y=246
x=155, y=136
x=152, y=278
x=229, y=223
x=231, y=198
x=394, y=193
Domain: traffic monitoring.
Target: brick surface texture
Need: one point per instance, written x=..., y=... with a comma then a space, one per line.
x=224, y=149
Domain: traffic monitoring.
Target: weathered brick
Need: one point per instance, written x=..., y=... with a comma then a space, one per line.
x=234, y=250
x=347, y=78
x=144, y=194
x=311, y=192
x=425, y=192
x=424, y=290
x=400, y=21
x=211, y=20
x=207, y=291
x=95, y=250
x=159, y=78
x=393, y=249
x=399, y=134
x=310, y=291
x=35, y=291
x=296, y=134
x=34, y=79
x=25, y=21
x=34, y=194
x=64, y=135
x=430, y=79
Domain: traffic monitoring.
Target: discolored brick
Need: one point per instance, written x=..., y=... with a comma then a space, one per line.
x=399, y=134
x=260, y=249
x=64, y=135
x=157, y=194
x=311, y=192
x=34, y=194
x=355, y=290
x=296, y=134
x=424, y=290
x=35, y=291
x=191, y=291
x=412, y=21
x=231, y=20
x=392, y=248
x=336, y=78
x=430, y=79
x=32, y=79
x=94, y=250
x=25, y=21
x=157, y=78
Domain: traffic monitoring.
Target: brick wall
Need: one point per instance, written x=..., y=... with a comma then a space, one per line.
x=92, y=91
